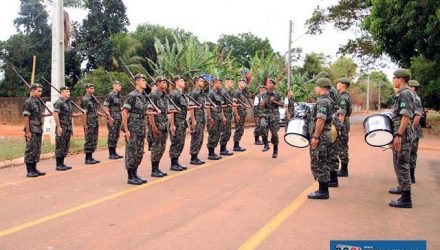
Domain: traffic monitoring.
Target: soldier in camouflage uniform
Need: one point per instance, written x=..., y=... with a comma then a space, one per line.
x=343, y=115
x=149, y=130
x=178, y=123
x=113, y=102
x=199, y=121
x=270, y=101
x=133, y=121
x=240, y=94
x=230, y=112
x=319, y=129
x=62, y=114
x=33, y=128
x=216, y=118
x=289, y=105
x=418, y=111
x=159, y=126
x=403, y=112
x=91, y=125
x=256, y=109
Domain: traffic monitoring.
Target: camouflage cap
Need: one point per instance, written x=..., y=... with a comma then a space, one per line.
x=139, y=76
x=64, y=88
x=199, y=77
x=36, y=85
x=272, y=81
x=215, y=79
x=322, y=74
x=177, y=77
x=229, y=78
x=414, y=83
x=89, y=85
x=323, y=82
x=401, y=73
x=344, y=80
x=241, y=80
x=160, y=79
x=116, y=82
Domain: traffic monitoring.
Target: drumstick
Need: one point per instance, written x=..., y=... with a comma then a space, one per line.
x=387, y=147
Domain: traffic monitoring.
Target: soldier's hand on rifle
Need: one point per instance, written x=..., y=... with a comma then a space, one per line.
x=272, y=98
x=173, y=129
x=28, y=136
x=127, y=135
x=110, y=121
x=193, y=124
x=237, y=118
x=224, y=120
x=155, y=131
x=211, y=122
x=59, y=131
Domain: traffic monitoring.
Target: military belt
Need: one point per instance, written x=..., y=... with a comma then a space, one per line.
x=136, y=116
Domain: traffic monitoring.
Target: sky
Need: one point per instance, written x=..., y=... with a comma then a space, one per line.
x=209, y=19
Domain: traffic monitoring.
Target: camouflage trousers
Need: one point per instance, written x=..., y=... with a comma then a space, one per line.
x=62, y=142
x=32, y=150
x=413, y=156
x=113, y=133
x=343, y=143
x=239, y=128
x=178, y=139
x=149, y=132
x=134, y=149
x=158, y=147
x=197, y=136
x=91, y=139
x=270, y=123
x=225, y=130
x=319, y=159
x=401, y=161
x=257, y=129
x=214, y=133
x=333, y=154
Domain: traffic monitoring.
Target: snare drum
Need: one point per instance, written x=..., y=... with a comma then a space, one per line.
x=297, y=134
x=378, y=130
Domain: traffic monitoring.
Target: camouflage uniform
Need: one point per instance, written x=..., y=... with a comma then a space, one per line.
x=239, y=127
x=290, y=104
x=418, y=111
x=270, y=116
x=33, y=108
x=319, y=157
x=91, y=141
x=334, y=149
x=345, y=108
x=64, y=108
x=216, y=114
x=161, y=121
x=403, y=106
x=198, y=133
x=114, y=103
x=136, y=104
x=178, y=139
x=225, y=133
x=256, y=109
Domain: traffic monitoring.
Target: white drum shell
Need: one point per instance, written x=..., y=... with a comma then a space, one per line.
x=297, y=134
x=378, y=130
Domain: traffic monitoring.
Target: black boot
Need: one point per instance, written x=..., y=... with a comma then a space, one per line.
x=30, y=170
x=180, y=165
x=395, y=190
x=195, y=160
x=257, y=141
x=322, y=193
x=62, y=162
x=404, y=201
x=34, y=167
x=413, y=175
x=266, y=145
x=116, y=153
x=150, y=144
x=139, y=178
x=275, y=151
x=237, y=147
x=131, y=178
x=175, y=165
x=343, y=172
x=112, y=154
x=94, y=160
x=60, y=166
x=224, y=151
x=212, y=155
x=155, y=170
x=200, y=161
x=333, y=179
x=89, y=159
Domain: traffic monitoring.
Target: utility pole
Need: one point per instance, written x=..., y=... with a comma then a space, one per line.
x=368, y=92
x=289, y=55
x=57, y=74
x=378, y=99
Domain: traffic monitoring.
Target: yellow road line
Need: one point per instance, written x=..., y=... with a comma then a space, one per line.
x=43, y=219
x=256, y=239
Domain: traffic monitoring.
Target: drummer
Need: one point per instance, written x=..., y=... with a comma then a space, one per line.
x=403, y=112
x=289, y=105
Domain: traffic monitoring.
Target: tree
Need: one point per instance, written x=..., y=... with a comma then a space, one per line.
x=313, y=64
x=343, y=67
x=244, y=47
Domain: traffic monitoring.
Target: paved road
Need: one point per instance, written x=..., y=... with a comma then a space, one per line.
x=247, y=200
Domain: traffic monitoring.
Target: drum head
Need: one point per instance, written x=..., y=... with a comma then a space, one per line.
x=295, y=140
x=379, y=138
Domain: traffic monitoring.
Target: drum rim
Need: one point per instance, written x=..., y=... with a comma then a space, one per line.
x=299, y=135
x=365, y=137
x=363, y=123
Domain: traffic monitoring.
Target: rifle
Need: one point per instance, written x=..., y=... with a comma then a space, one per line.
x=187, y=95
x=106, y=72
x=95, y=99
x=57, y=90
x=145, y=92
x=207, y=97
x=29, y=86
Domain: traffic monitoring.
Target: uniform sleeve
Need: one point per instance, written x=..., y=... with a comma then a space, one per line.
x=108, y=100
x=406, y=105
x=418, y=107
x=322, y=109
x=129, y=102
x=27, y=109
x=57, y=107
x=343, y=105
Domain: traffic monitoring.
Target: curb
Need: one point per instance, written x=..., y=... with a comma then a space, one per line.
x=20, y=161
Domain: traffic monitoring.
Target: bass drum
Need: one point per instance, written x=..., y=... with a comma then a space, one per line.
x=297, y=134
x=378, y=130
